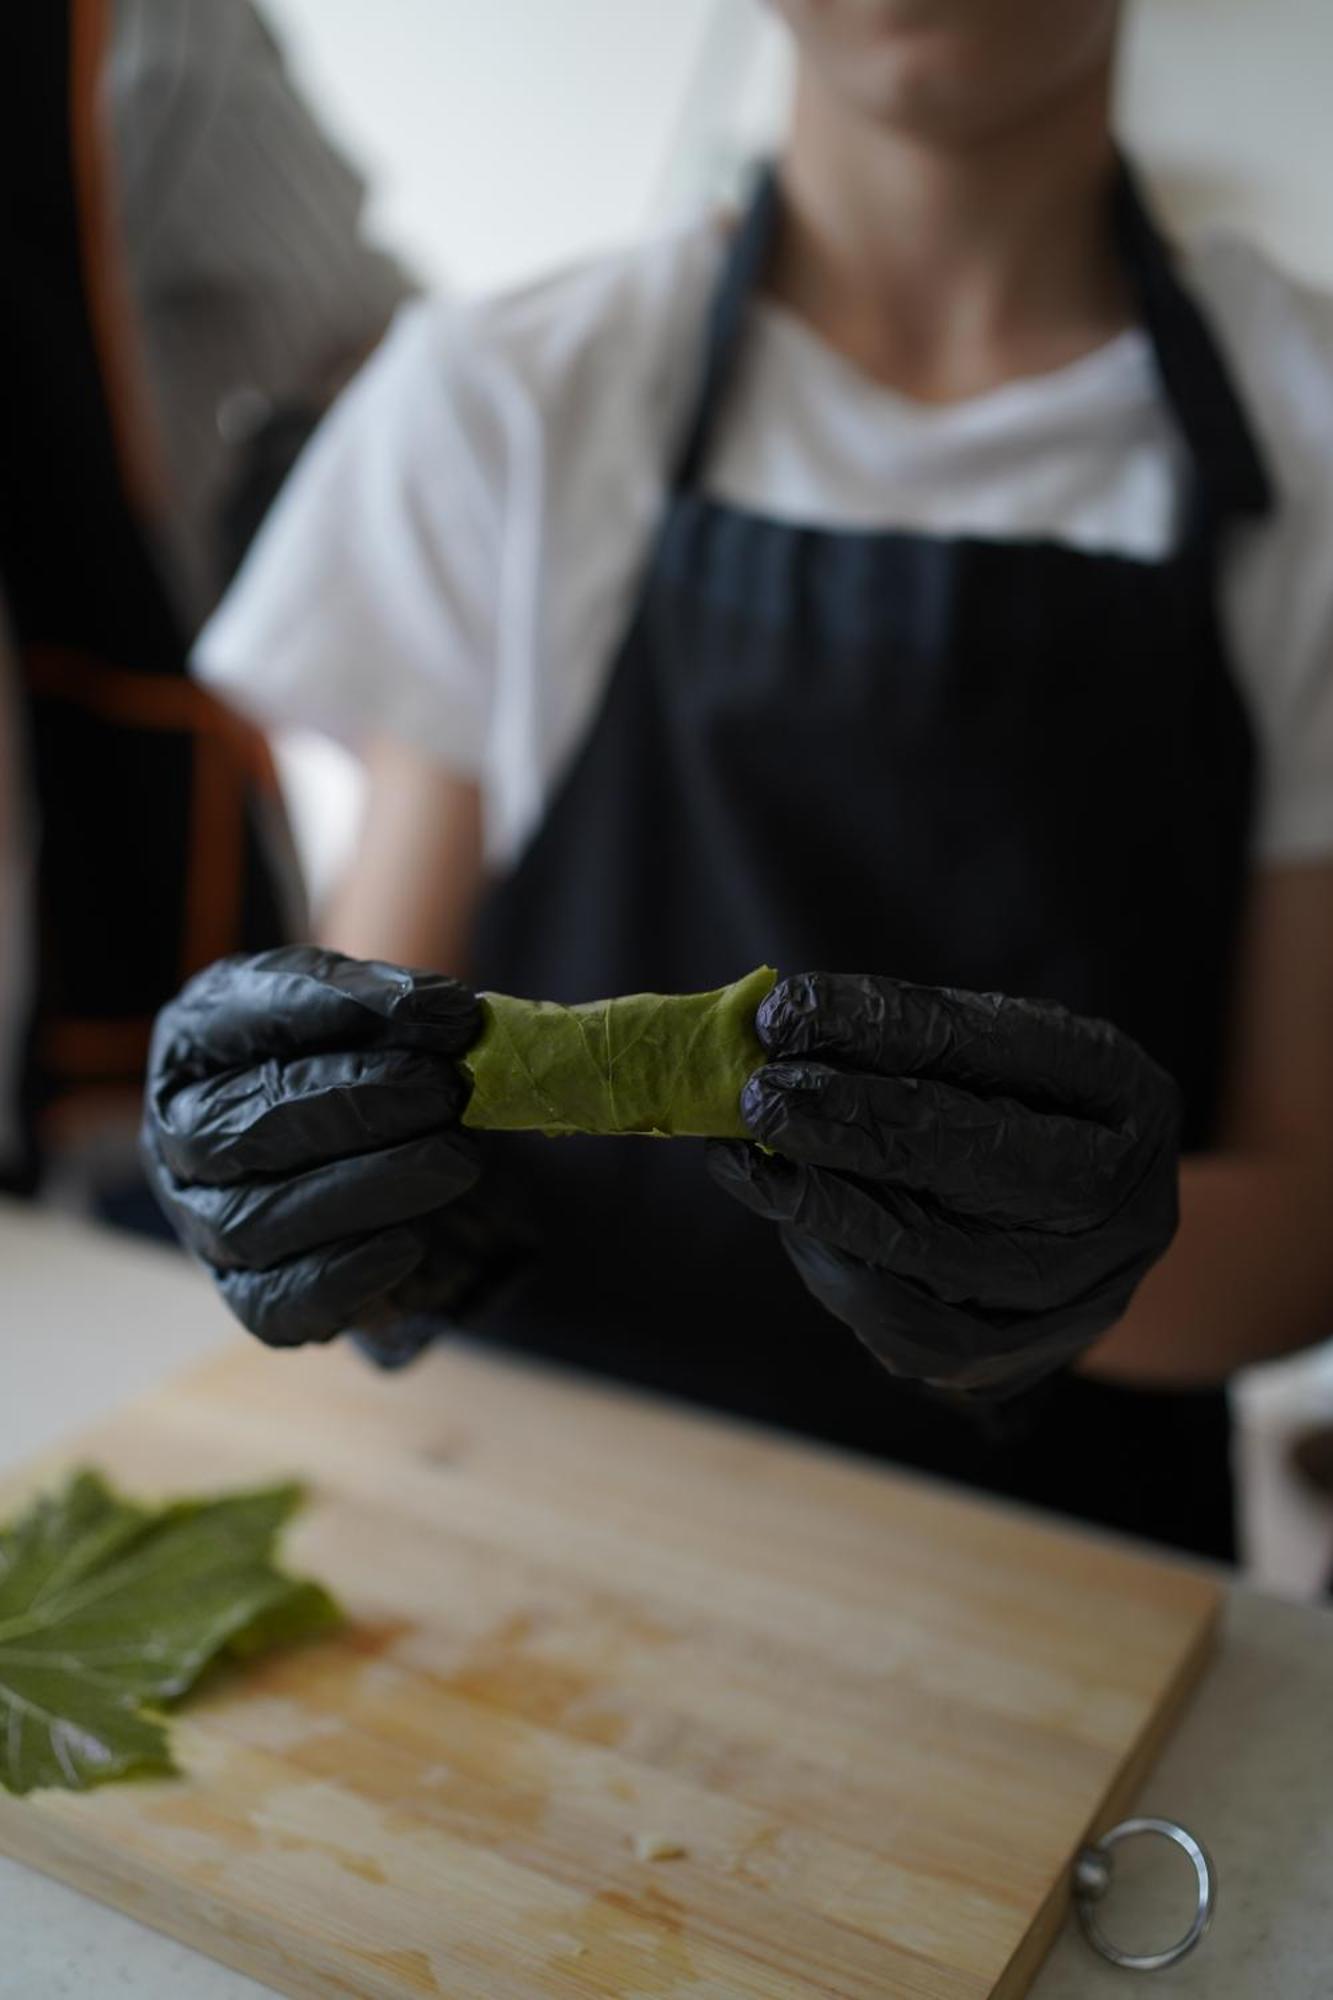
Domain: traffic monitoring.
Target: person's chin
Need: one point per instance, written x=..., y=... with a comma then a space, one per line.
x=933, y=95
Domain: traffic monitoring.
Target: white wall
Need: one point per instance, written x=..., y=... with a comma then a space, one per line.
x=504, y=136
x=507, y=135
x=1230, y=102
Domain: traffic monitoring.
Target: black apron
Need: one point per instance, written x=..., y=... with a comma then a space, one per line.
x=1012, y=766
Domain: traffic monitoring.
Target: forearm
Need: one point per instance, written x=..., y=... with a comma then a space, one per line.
x=1249, y=1276
x=411, y=892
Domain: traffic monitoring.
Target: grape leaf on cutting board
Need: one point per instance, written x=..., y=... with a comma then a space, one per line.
x=109, y=1609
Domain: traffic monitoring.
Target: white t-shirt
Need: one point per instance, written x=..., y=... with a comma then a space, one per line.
x=456, y=557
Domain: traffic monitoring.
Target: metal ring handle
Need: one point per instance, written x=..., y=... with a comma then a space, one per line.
x=1092, y=1878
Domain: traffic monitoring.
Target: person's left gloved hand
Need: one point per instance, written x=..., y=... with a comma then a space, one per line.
x=974, y=1184
x=302, y=1133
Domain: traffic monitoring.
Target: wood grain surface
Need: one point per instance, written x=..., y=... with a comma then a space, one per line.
x=630, y=1703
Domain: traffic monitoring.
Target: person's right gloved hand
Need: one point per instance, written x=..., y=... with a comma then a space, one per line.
x=301, y=1132
x=974, y=1183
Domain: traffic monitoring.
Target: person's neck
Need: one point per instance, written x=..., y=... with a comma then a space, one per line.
x=944, y=273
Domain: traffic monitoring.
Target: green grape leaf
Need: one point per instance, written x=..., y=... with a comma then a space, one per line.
x=110, y=1610
x=666, y=1065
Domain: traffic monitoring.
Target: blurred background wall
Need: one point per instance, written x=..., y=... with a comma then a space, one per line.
x=505, y=136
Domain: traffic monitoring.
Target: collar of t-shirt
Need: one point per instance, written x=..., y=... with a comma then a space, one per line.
x=1027, y=459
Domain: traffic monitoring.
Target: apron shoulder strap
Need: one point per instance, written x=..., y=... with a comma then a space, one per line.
x=1229, y=475
x=742, y=268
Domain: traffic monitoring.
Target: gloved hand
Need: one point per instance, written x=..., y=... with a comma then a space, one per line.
x=301, y=1133
x=975, y=1185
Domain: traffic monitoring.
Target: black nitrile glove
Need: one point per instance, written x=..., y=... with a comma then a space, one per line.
x=975, y=1185
x=301, y=1133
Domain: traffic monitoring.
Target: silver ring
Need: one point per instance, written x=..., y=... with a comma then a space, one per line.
x=1092, y=1879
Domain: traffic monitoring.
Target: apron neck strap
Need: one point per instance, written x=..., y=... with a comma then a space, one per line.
x=1228, y=473
x=742, y=268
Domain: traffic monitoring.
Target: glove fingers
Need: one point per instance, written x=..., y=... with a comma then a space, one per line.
x=961, y=1264
x=283, y=1116
x=265, y=1222
x=298, y=1000
x=984, y=1157
x=313, y=1297
x=1033, y=1050
x=401, y=1338
x=473, y=1252
x=927, y=1339
x=907, y=1328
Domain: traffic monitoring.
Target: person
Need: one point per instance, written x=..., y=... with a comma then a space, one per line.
x=189, y=242
x=139, y=817
x=926, y=573
x=257, y=286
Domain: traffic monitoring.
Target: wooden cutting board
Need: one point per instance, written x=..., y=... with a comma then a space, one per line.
x=878, y=1720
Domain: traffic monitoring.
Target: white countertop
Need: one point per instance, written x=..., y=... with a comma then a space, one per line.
x=88, y=1320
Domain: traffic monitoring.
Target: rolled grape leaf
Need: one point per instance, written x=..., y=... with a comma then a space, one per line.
x=666, y=1065
x=110, y=1610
